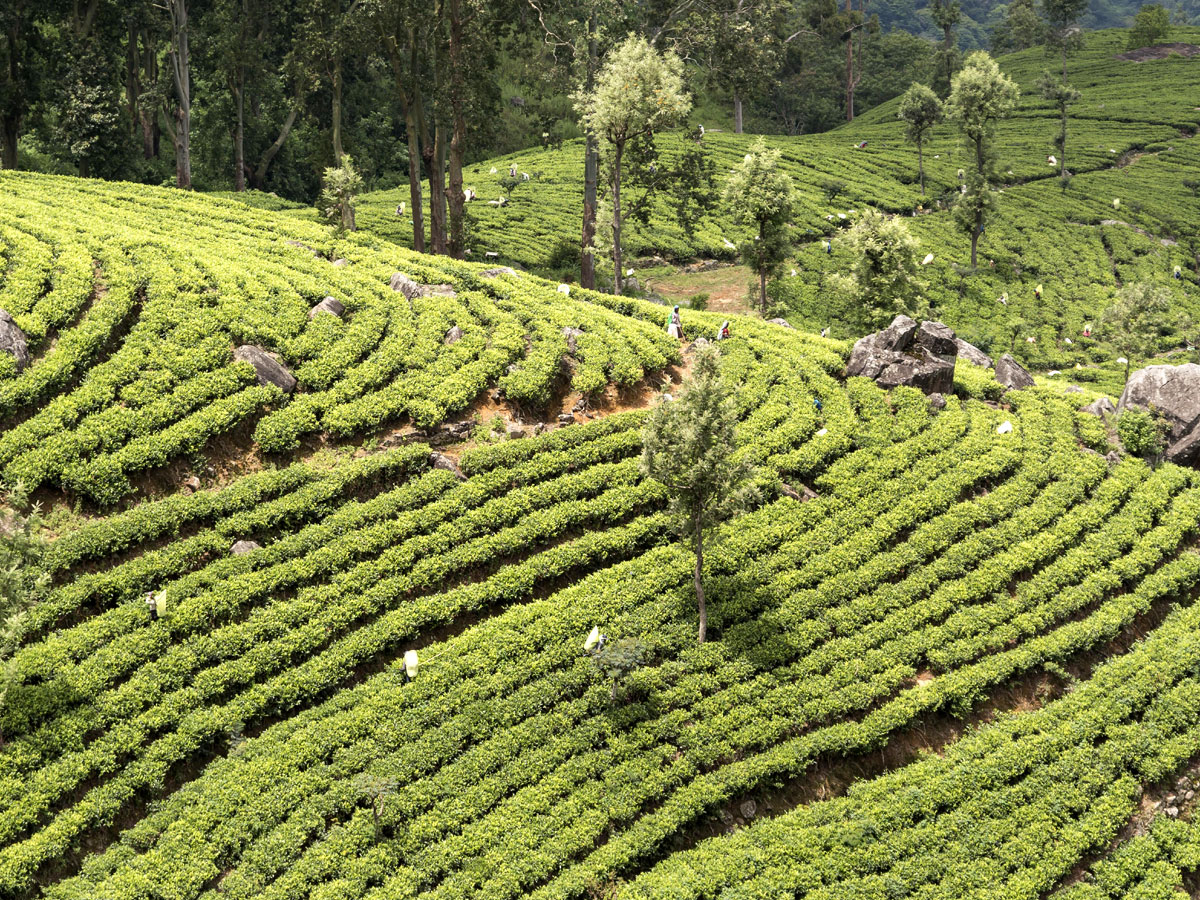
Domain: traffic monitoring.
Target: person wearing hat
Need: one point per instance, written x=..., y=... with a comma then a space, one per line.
x=675, y=326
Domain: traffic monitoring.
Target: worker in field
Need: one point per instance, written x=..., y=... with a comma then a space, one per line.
x=723, y=332
x=675, y=326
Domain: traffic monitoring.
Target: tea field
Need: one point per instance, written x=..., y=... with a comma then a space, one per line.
x=946, y=657
x=1130, y=142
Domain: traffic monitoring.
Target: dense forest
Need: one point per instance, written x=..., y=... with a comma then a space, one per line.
x=230, y=94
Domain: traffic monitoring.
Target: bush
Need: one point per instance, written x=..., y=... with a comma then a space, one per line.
x=1142, y=433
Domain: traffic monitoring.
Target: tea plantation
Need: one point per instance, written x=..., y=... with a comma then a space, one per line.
x=1130, y=140
x=952, y=652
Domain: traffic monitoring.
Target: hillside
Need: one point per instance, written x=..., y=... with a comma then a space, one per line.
x=1076, y=244
x=930, y=621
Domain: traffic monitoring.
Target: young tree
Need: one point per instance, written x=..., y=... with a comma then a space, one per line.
x=1136, y=321
x=920, y=109
x=340, y=188
x=21, y=548
x=1062, y=95
x=883, y=279
x=946, y=14
x=638, y=91
x=688, y=446
x=760, y=194
x=1064, y=33
x=980, y=96
x=1021, y=29
x=1151, y=24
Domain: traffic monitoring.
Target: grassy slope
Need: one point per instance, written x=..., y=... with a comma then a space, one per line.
x=1042, y=236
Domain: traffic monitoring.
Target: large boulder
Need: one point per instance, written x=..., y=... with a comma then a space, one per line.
x=1101, y=407
x=1012, y=374
x=12, y=340
x=973, y=354
x=269, y=369
x=331, y=305
x=907, y=354
x=1174, y=393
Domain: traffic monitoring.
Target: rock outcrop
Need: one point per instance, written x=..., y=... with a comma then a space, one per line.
x=453, y=336
x=1102, y=407
x=12, y=341
x=330, y=305
x=241, y=548
x=1012, y=374
x=446, y=464
x=269, y=369
x=907, y=354
x=972, y=354
x=1174, y=393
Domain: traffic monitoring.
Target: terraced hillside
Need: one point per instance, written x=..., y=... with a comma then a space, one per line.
x=1121, y=146
x=908, y=573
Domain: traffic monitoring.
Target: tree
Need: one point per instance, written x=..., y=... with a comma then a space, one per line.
x=883, y=280
x=688, y=446
x=89, y=110
x=638, y=91
x=980, y=96
x=19, y=39
x=1021, y=29
x=22, y=545
x=340, y=188
x=1064, y=33
x=920, y=109
x=1137, y=320
x=1151, y=24
x=617, y=659
x=760, y=194
x=1062, y=95
x=180, y=58
x=946, y=14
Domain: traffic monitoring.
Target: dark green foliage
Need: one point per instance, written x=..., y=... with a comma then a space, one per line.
x=1150, y=26
x=1142, y=433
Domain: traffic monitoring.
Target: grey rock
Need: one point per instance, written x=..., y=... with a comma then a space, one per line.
x=937, y=401
x=405, y=285
x=330, y=305
x=539, y=428
x=192, y=484
x=1189, y=795
x=515, y=431
x=438, y=290
x=446, y=464
x=1174, y=393
x=1112, y=457
x=12, y=340
x=566, y=419
x=972, y=354
x=748, y=809
x=1172, y=811
x=340, y=263
x=498, y=270
x=304, y=246
x=1012, y=374
x=241, y=548
x=782, y=322
x=1073, y=389
x=1101, y=407
x=631, y=283
x=269, y=369
x=453, y=336
x=571, y=334
x=904, y=353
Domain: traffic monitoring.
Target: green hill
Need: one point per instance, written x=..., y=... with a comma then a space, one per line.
x=913, y=580
x=1122, y=146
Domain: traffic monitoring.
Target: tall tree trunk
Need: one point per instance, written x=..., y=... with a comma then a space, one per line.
x=591, y=170
x=181, y=72
x=459, y=137
x=618, y=151
x=849, y=67
x=737, y=111
x=149, y=121
x=921, y=167
x=239, y=134
x=975, y=240
x=1062, y=145
x=412, y=125
x=10, y=120
x=132, y=81
x=699, y=582
x=336, y=112
x=437, y=191
x=258, y=178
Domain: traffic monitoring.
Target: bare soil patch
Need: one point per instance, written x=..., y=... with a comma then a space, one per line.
x=1160, y=51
